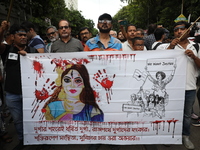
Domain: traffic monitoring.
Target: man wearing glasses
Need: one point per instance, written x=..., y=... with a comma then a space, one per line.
x=52, y=35
x=103, y=41
x=84, y=35
x=66, y=43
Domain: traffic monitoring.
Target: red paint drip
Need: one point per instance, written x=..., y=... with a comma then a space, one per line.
x=91, y=57
x=99, y=71
x=157, y=122
x=41, y=95
x=96, y=94
x=52, y=83
x=38, y=67
x=47, y=80
x=53, y=87
x=169, y=121
x=174, y=121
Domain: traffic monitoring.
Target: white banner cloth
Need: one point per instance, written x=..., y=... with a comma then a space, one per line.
x=103, y=97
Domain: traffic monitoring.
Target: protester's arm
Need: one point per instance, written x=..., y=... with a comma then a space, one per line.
x=40, y=50
x=195, y=58
x=3, y=28
x=122, y=29
x=173, y=43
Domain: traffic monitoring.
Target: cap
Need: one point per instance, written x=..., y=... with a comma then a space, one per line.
x=105, y=16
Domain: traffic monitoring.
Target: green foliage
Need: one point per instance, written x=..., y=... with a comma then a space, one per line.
x=144, y=12
x=138, y=12
x=38, y=11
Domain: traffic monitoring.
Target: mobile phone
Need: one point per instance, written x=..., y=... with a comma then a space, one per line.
x=124, y=22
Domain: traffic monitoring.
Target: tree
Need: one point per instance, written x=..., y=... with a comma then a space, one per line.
x=144, y=12
x=46, y=12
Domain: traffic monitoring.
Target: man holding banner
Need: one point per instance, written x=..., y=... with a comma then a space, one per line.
x=103, y=42
x=11, y=59
x=181, y=33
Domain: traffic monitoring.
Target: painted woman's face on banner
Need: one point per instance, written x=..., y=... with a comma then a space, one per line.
x=73, y=83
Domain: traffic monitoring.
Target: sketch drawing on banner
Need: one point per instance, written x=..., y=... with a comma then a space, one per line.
x=152, y=102
x=73, y=97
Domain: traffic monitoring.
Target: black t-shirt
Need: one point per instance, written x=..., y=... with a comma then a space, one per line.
x=11, y=61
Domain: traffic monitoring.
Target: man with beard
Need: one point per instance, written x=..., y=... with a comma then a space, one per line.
x=66, y=43
x=11, y=60
x=84, y=35
x=103, y=41
x=52, y=35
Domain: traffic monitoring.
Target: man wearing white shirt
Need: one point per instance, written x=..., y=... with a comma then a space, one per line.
x=130, y=33
x=193, y=64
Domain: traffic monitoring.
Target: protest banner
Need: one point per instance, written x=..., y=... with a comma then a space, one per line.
x=104, y=97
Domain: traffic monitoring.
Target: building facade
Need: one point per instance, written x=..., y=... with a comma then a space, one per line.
x=72, y=4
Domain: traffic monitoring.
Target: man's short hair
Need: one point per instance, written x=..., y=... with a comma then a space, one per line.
x=136, y=38
x=115, y=32
x=158, y=33
x=151, y=28
x=51, y=27
x=141, y=30
x=83, y=28
x=66, y=21
x=16, y=27
x=28, y=25
x=129, y=26
x=187, y=25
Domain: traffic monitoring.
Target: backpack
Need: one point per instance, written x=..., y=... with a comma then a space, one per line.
x=196, y=45
x=154, y=48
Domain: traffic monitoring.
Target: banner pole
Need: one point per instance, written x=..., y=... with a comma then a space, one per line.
x=189, y=28
x=9, y=11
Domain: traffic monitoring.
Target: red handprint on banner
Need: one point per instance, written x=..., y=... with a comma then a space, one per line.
x=105, y=81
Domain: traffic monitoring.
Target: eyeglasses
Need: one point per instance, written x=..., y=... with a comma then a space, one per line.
x=84, y=33
x=180, y=27
x=48, y=34
x=61, y=27
x=102, y=21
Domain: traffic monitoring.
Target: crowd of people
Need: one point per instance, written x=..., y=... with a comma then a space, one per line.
x=20, y=39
